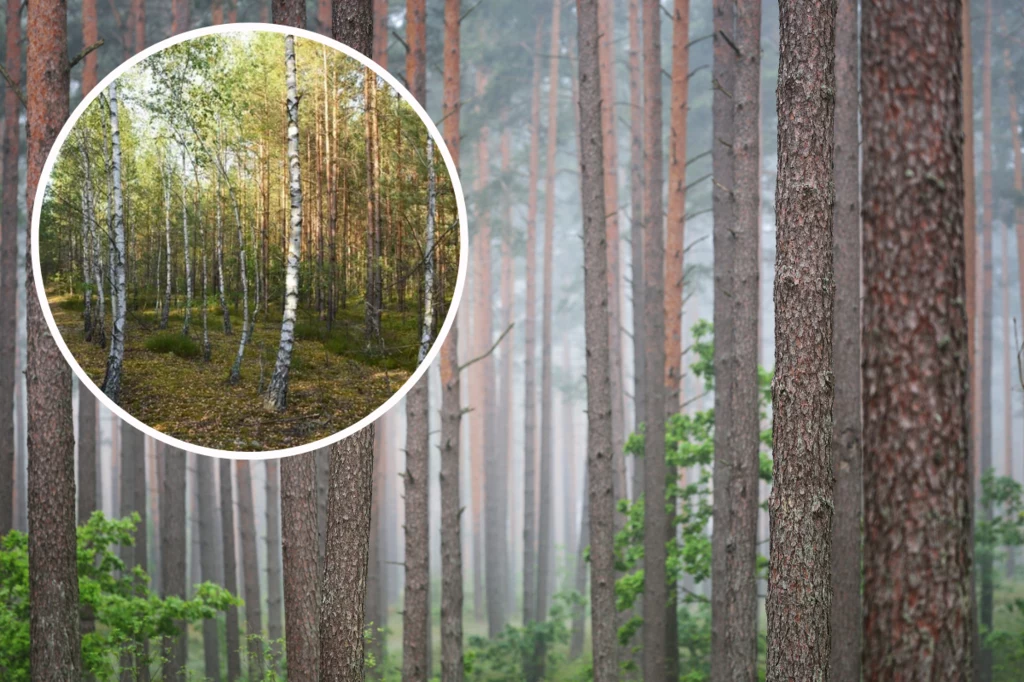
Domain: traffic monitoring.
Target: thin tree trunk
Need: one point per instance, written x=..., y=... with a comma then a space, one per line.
x=290, y=13
x=9, y=271
x=427, y=325
x=227, y=523
x=451, y=513
x=112, y=380
x=799, y=587
x=985, y=560
x=380, y=32
x=275, y=598
x=636, y=175
x=847, y=461
x=600, y=461
x=166, y=309
x=416, y=614
x=90, y=34
x=221, y=285
x=251, y=571
x=1018, y=185
x=172, y=553
x=918, y=618
x=656, y=519
x=372, y=302
x=87, y=454
x=348, y=548
x=277, y=394
x=208, y=558
x=530, y=371
x=416, y=54
x=185, y=249
x=181, y=19
x=126, y=483
x=299, y=530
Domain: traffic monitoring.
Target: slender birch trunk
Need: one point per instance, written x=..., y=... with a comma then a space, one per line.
x=221, y=286
x=202, y=241
x=426, y=330
x=87, y=218
x=166, y=311
x=112, y=380
x=188, y=255
x=277, y=394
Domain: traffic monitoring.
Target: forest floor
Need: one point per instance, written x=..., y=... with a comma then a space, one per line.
x=334, y=380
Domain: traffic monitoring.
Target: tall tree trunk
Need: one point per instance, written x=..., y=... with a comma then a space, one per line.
x=251, y=571
x=1004, y=271
x=847, y=461
x=1018, y=186
x=112, y=380
x=208, y=558
x=799, y=587
x=372, y=302
x=416, y=614
x=375, y=603
x=227, y=524
x=172, y=553
x=348, y=548
x=275, y=598
x=416, y=55
x=636, y=198
x=9, y=269
x=87, y=454
x=141, y=553
x=352, y=24
x=221, y=284
x=380, y=32
x=181, y=19
x=165, y=310
x=985, y=560
x=545, y=539
x=90, y=34
x=656, y=517
x=600, y=461
x=126, y=482
x=918, y=617
x=724, y=656
x=451, y=512
x=277, y=394
x=530, y=370
x=186, y=251
x=138, y=15
x=301, y=579
x=427, y=324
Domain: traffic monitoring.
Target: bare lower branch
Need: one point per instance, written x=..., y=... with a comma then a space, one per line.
x=489, y=350
x=84, y=53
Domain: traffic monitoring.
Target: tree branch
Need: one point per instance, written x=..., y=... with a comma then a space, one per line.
x=489, y=350
x=84, y=53
x=13, y=86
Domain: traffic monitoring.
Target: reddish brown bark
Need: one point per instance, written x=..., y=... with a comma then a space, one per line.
x=300, y=547
x=323, y=16
x=380, y=32
x=416, y=613
x=181, y=16
x=918, y=619
x=290, y=13
x=636, y=192
x=416, y=56
x=55, y=652
x=90, y=34
x=250, y=570
x=347, y=553
x=9, y=270
x=138, y=16
x=451, y=541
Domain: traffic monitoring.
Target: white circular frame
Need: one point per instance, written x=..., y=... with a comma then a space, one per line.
x=432, y=130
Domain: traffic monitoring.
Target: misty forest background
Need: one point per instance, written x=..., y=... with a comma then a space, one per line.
x=506, y=95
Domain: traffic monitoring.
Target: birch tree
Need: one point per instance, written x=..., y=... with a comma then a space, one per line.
x=115, y=360
x=277, y=393
x=167, y=177
x=426, y=329
x=186, y=250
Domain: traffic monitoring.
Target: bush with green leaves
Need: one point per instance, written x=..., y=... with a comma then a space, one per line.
x=126, y=613
x=172, y=342
x=689, y=444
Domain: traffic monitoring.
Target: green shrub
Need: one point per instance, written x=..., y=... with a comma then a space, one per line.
x=310, y=331
x=170, y=342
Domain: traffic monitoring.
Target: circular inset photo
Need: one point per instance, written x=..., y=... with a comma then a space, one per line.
x=248, y=240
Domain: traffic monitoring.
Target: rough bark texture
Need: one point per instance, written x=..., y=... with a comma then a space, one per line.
x=416, y=56
x=9, y=268
x=348, y=550
x=451, y=511
x=275, y=597
x=656, y=518
x=301, y=581
x=55, y=652
x=180, y=16
x=799, y=587
x=600, y=469
x=847, y=463
x=452, y=77
x=352, y=24
x=918, y=619
x=530, y=362
x=90, y=35
x=380, y=32
x=251, y=571
x=416, y=613
x=227, y=525
x=277, y=392
x=172, y=552
x=112, y=378
x=208, y=558
x=86, y=454
x=723, y=79
x=288, y=12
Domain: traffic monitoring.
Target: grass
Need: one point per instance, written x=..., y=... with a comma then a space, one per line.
x=335, y=378
x=169, y=342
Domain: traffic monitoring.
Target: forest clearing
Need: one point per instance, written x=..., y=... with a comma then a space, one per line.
x=274, y=234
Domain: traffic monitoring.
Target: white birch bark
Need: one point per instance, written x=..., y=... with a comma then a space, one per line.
x=277, y=392
x=99, y=324
x=188, y=255
x=426, y=333
x=220, y=262
x=112, y=381
x=86, y=243
x=167, y=233
x=202, y=250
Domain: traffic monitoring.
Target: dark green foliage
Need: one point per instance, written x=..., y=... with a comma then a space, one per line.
x=168, y=342
x=126, y=612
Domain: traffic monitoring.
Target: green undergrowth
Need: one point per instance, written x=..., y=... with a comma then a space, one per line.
x=335, y=377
